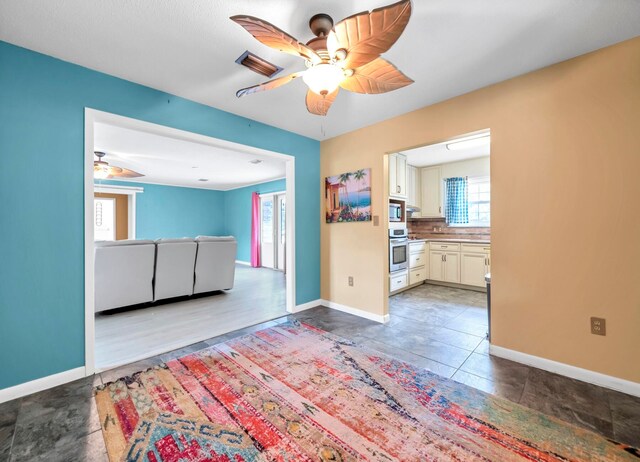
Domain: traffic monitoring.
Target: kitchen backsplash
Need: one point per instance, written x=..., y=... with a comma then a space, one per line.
x=436, y=228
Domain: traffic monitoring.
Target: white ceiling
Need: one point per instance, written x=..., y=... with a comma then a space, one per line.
x=170, y=161
x=438, y=154
x=188, y=48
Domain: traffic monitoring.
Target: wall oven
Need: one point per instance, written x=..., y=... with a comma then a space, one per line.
x=398, y=249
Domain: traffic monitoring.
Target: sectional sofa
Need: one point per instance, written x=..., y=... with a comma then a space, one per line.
x=131, y=272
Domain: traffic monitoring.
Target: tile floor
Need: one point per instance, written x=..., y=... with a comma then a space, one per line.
x=438, y=328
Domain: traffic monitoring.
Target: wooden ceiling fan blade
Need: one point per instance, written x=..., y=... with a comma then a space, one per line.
x=269, y=85
x=125, y=173
x=378, y=76
x=367, y=35
x=318, y=104
x=113, y=170
x=270, y=35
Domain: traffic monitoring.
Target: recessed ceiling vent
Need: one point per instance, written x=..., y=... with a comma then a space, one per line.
x=257, y=64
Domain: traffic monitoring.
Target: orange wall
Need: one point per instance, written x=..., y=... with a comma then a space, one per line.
x=565, y=172
x=122, y=214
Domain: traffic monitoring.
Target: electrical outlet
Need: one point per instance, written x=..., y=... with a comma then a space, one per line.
x=351, y=281
x=598, y=326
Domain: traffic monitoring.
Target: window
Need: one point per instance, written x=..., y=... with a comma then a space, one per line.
x=479, y=201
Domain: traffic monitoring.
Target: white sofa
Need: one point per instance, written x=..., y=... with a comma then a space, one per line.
x=123, y=273
x=132, y=272
x=175, y=264
x=215, y=263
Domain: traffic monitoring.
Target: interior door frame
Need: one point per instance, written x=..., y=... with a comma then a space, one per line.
x=276, y=226
x=131, y=192
x=93, y=116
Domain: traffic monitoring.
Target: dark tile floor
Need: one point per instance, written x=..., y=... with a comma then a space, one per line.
x=437, y=328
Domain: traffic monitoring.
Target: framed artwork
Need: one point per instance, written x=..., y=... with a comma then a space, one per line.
x=348, y=196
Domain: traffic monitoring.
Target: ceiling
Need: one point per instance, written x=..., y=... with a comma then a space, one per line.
x=170, y=161
x=438, y=154
x=188, y=48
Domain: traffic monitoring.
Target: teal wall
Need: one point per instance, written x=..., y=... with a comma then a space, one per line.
x=237, y=213
x=42, y=102
x=172, y=212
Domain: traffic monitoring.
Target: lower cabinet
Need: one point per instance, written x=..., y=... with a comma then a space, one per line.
x=461, y=263
x=417, y=275
x=444, y=266
x=474, y=267
x=418, y=262
x=476, y=262
x=398, y=281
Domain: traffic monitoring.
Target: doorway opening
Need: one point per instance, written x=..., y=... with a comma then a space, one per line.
x=442, y=194
x=138, y=214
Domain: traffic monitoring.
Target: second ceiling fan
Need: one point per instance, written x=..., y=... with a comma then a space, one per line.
x=346, y=55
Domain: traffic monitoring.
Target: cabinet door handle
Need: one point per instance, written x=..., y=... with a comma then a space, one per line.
x=439, y=209
x=398, y=188
x=485, y=261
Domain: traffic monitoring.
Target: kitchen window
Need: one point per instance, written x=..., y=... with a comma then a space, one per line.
x=479, y=197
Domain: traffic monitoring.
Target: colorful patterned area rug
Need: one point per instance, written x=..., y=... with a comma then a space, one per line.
x=295, y=393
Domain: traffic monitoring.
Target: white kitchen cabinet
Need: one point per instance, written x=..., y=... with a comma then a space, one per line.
x=398, y=281
x=417, y=247
x=418, y=275
x=475, y=263
x=417, y=259
x=414, y=191
x=431, y=187
x=436, y=265
x=452, y=266
x=398, y=175
x=444, y=265
x=418, y=262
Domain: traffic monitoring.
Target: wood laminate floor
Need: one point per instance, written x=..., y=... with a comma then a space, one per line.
x=127, y=336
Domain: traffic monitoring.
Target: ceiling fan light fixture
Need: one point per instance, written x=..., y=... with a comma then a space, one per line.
x=101, y=170
x=323, y=78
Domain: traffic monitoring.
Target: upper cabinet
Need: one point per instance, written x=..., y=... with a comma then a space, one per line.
x=398, y=175
x=431, y=205
x=414, y=191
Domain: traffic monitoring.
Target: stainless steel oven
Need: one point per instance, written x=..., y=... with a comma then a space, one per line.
x=398, y=249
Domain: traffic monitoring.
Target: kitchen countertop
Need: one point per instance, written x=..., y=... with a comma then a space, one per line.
x=448, y=239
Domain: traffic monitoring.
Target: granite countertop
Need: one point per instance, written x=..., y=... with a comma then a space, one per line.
x=449, y=239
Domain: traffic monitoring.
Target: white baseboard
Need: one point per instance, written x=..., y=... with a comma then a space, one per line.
x=585, y=375
x=241, y=262
x=306, y=306
x=356, y=312
x=44, y=383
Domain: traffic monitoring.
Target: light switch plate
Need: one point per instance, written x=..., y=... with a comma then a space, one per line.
x=376, y=220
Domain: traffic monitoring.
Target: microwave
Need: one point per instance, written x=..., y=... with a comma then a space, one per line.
x=395, y=212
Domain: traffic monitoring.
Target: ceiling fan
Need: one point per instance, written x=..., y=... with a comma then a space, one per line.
x=345, y=56
x=102, y=170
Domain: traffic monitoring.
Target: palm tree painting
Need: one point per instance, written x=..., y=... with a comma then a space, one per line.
x=348, y=196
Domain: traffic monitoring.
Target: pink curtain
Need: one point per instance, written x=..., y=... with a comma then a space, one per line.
x=255, y=230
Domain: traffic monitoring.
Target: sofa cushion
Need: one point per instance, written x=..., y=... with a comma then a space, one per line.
x=122, y=242
x=215, y=238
